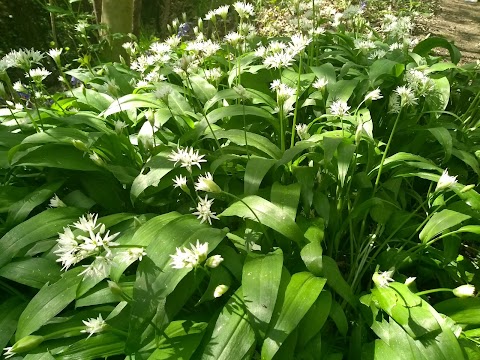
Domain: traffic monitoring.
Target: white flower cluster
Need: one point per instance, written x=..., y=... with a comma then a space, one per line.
x=93, y=240
x=204, y=212
x=213, y=75
x=402, y=96
x=187, y=158
x=283, y=91
x=397, y=27
x=419, y=82
x=94, y=325
x=203, y=48
x=302, y=131
x=244, y=9
x=38, y=74
x=339, y=108
x=23, y=59
x=281, y=55
x=383, y=278
x=446, y=181
x=189, y=258
x=364, y=45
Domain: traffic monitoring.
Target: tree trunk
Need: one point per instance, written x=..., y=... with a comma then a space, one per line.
x=137, y=17
x=117, y=15
x=97, y=9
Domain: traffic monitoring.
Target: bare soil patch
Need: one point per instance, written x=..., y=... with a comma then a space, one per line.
x=458, y=21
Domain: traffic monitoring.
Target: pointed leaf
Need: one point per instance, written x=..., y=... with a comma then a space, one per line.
x=269, y=215
x=301, y=293
x=440, y=222
x=260, y=283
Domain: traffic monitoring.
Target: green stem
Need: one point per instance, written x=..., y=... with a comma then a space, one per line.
x=377, y=181
x=292, y=141
x=421, y=293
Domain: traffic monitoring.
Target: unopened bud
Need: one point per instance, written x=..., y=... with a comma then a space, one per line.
x=79, y=145
x=220, y=290
x=214, y=261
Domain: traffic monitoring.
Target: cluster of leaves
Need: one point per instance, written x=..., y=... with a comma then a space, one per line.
x=313, y=163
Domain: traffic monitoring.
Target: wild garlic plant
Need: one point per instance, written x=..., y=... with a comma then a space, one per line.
x=334, y=167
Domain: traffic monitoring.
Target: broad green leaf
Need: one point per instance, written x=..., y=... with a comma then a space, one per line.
x=255, y=142
x=474, y=229
x=92, y=99
x=255, y=171
x=153, y=172
x=269, y=214
x=325, y=71
x=178, y=104
x=339, y=318
x=439, y=100
x=240, y=110
x=286, y=197
x=98, y=346
x=20, y=210
x=42, y=356
x=424, y=47
x=103, y=294
x=10, y=310
x=407, y=309
x=141, y=238
x=133, y=101
x=86, y=118
x=301, y=293
x=461, y=310
x=9, y=195
x=381, y=68
x=232, y=336
x=344, y=159
x=445, y=139
x=33, y=272
x=156, y=279
x=180, y=340
x=397, y=344
x=312, y=257
x=260, y=283
x=291, y=153
x=468, y=159
x=202, y=88
x=40, y=227
x=55, y=156
x=48, y=302
x=336, y=281
x=315, y=318
x=341, y=90
x=306, y=177
x=440, y=222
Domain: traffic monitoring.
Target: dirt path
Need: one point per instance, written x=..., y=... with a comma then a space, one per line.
x=458, y=21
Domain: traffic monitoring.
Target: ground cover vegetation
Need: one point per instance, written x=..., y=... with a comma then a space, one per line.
x=224, y=195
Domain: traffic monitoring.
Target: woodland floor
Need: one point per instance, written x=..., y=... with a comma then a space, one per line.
x=458, y=21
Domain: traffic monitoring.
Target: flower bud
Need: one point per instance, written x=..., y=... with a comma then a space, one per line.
x=464, y=291
x=445, y=181
x=97, y=159
x=79, y=145
x=214, y=261
x=410, y=280
x=25, y=344
x=220, y=290
x=467, y=188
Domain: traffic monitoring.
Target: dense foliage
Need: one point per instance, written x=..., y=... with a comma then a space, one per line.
x=302, y=197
